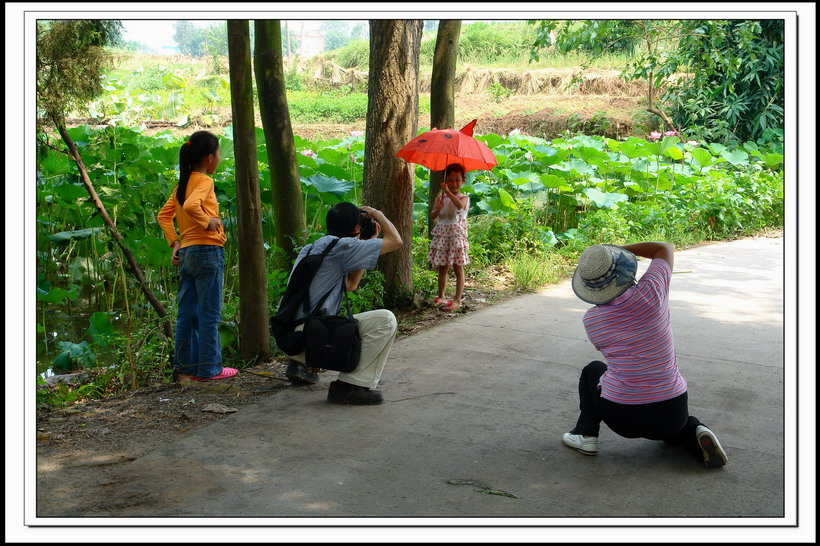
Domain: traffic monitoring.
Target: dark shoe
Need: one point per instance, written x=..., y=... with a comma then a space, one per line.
x=299, y=374
x=345, y=393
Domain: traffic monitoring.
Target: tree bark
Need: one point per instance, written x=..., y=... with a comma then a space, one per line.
x=392, y=121
x=442, y=96
x=132, y=263
x=652, y=108
x=253, y=292
x=286, y=186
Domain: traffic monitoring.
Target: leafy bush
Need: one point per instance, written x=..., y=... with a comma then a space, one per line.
x=484, y=43
x=499, y=92
x=370, y=293
x=293, y=81
x=607, y=226
x=495, y=237
x=150, y=78
x=354, y=54
x=735, y=88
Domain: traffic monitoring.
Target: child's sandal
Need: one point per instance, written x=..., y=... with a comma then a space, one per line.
x=450, y=306
x=438, y=302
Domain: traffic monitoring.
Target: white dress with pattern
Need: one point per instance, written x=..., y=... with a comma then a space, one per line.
x=449, y=244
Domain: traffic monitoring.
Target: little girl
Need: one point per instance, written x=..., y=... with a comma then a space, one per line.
x=201, y=259
x=449, y=238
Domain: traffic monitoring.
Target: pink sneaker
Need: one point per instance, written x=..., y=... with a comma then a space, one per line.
x=224, y=374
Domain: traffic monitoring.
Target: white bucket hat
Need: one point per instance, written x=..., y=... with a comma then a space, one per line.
x=604, y=272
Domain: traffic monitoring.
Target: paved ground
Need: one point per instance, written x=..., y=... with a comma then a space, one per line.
x=486, y=397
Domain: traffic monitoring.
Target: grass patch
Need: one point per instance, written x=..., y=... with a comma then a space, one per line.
x=327, y=107
x=532, y=271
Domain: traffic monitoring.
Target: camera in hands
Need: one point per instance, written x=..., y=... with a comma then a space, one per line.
x=368, y=226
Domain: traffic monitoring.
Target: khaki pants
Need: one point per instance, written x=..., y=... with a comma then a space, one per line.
x=378, y=330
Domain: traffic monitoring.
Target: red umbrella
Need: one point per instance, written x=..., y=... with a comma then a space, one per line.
x=437, y=148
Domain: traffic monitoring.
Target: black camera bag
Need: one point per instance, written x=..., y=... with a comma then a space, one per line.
x=297, y=293
x=333, y=342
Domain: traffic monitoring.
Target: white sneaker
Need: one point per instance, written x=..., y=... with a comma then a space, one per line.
x=588, y=445
x=713, y=454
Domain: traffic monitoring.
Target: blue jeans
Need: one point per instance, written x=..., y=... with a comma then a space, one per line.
x=197, y=349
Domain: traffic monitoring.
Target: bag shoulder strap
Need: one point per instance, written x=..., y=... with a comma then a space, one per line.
x=306, y=299
x=323, y=298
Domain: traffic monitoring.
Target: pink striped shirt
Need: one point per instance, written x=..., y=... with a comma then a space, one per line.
x=634, y=333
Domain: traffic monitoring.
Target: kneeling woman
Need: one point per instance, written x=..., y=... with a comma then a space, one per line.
x=639, y=391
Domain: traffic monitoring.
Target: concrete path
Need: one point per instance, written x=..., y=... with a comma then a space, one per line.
x=486, y=397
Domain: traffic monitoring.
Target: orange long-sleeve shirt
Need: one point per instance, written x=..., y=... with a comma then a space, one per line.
x=193, y=215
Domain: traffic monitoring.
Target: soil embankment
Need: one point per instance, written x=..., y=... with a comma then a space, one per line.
x=543, y=103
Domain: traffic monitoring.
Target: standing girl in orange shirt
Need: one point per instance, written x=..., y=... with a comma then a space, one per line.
x=199, y=252
x=449, y=245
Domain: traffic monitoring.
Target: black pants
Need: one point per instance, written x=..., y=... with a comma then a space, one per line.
x=668, y=420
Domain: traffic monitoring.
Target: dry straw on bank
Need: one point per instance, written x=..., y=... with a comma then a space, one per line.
x=546, y=81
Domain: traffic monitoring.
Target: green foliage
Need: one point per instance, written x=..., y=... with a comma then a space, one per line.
x=73, y=356
x=499, y=92
x=216, y=39
x=598, y=124
x=336, y=34
x=328, y=107
x=546, y=199
x=482, y=42
x=190, y=38
x=607, y=226
x=354, y=54
x=181, y=97
x=496, y=236
x=733, y=88
x=735, y=91
x=293, y=82
x=370, y=293
x=277, y=283
x=100, y=329
x=71, y=60
x=150, y=78
x=532, y=271
x=597, y=37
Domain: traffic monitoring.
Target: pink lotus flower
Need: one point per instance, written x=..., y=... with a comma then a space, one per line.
x=356, y=133
x=692, y=142
x=308, y=153
x=654, y=135
x=670, y=133
x=529, y=157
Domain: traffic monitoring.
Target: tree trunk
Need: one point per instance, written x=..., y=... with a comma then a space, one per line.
x=253, y=291
x=442, y=96
x=132, y=263
x=286, y=186
x=392, y=121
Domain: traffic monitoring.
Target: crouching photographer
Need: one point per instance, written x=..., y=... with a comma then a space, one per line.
x=337, y=263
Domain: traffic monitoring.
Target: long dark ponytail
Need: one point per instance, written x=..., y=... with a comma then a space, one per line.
x=200, y=145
